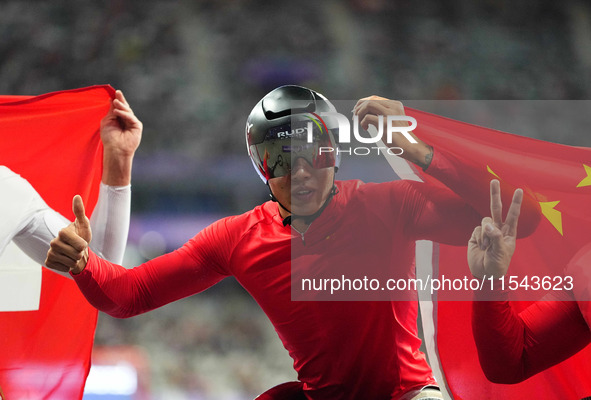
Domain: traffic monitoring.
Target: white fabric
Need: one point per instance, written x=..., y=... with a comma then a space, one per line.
x=29, y=222
x=424, y=268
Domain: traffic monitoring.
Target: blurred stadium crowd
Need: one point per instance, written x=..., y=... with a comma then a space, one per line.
x=192, y=71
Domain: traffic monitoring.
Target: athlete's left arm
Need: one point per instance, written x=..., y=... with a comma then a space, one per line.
x=369, y=109
x=470, y=186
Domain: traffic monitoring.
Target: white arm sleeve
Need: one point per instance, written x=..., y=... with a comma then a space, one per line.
x=31, y=223
x=41, y=227
x=110, y=222
x=38, y=224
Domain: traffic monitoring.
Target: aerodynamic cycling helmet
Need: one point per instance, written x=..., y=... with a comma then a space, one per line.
x=286, y=125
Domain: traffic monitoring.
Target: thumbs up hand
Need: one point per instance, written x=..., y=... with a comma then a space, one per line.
x=69, y=250
x=81, y=223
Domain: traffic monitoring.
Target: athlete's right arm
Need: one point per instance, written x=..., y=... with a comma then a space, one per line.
x=122, y=292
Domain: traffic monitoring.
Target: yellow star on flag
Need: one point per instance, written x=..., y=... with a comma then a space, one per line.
x=547, y=207
x=554, y=216
x=586, y=180
x=491, y=171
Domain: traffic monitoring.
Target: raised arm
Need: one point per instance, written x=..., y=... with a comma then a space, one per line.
x=369, y=109
x=514, y=346
x=121, y=133
x=468, y=184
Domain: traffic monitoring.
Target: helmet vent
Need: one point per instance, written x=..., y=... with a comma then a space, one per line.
x=271, y=115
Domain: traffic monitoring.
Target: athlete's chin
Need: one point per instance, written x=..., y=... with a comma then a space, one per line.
x=305, y=209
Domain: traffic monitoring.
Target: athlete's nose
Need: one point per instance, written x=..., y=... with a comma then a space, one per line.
x=301, y=170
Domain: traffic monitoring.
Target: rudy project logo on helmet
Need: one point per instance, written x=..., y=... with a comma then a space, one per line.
x=290, y=131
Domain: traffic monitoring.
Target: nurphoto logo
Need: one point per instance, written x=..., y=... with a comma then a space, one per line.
x=377, y=136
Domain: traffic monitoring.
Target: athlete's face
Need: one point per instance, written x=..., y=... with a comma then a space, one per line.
x=304, y=190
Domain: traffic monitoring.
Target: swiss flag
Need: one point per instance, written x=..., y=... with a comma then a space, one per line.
x=53, y=141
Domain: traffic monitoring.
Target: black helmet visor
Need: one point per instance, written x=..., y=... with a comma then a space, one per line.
x=304, y=137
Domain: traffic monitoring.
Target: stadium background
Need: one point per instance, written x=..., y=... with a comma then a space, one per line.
x=192, y=71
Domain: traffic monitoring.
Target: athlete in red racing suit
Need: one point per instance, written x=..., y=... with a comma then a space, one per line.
x=341, y=349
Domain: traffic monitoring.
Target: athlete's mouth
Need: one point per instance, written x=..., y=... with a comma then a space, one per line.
x=301, y=192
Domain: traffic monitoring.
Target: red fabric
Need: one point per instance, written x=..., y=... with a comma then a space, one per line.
x=341, y=349
x=53, y=141
x=548, y=173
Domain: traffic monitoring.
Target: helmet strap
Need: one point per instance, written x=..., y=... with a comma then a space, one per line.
x=273, y=198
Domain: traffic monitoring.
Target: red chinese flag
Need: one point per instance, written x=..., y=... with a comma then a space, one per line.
x=54, y=142
x=557, y=179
